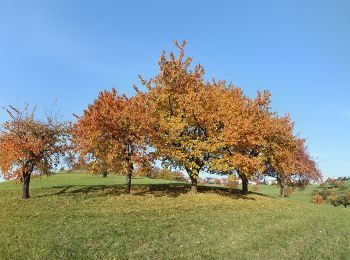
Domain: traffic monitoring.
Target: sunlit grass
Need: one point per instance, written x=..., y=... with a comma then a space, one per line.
x=88, y=217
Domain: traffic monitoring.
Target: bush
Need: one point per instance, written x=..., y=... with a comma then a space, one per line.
x=334, y=183
x=348, y=196
x=302, y=183
x=344, y=200
x=288, y=190
x=324, y=194
x=335, y=201
x=318, y=200
x=166, y=174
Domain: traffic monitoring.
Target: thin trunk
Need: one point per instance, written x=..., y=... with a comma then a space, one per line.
x=282, y=184
x=25, y=185
x=282, y=191
x=104, y=175
x=128, y=178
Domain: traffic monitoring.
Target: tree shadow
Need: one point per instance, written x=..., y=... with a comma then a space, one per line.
x=158, y=190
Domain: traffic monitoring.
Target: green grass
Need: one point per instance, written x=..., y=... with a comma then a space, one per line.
x=77, y=179
x=80, y=216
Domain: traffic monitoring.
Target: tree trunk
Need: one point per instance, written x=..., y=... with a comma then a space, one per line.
x=244, y=185
x=25, y=186
x=194, y=181
x=128, y=178
x=194, y=188
x=104, y=175
x=282, y=184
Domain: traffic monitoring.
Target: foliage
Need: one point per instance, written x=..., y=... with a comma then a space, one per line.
x=324, y=193
x=30, y=146
x=317, y=199
x=193, y=125
x=166, y=174
x=213, y=126
x=181, y=102
x=334, y=183
x=112, y=134
x=288, y=190
x=340, y=200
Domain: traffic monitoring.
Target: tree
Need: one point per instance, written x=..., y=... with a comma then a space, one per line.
x=240, y=141
x=166, y=174
x=112, y=133
x=179, y=100
x=286, y=157
x=30, y=146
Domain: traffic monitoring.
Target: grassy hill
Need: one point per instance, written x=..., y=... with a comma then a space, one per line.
x=80, y=216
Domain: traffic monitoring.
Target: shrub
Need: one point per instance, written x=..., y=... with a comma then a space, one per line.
x=302, y=183
x=348, y=195
x=288, y=190
x=335, y=201
x=344, y=200
x=166, y=174
x=318, y=200
x=335, y=183
x=324, y=194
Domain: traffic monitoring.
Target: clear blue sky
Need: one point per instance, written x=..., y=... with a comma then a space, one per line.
x=299, y=50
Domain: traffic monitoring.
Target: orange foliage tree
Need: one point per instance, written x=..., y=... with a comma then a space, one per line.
x=240, y=141
x=192, y=125
x=286, y=156
x=179, y=101
x=213, y=126
x=112, y=133
x=30, y=146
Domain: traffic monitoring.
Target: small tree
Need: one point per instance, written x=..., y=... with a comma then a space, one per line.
x=112, y=134
x=286, y=157
x=30, y=146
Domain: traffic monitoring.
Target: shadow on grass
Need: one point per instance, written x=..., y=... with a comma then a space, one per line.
x=158, y=190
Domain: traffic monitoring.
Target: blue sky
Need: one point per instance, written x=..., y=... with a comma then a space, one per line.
x=68, y=51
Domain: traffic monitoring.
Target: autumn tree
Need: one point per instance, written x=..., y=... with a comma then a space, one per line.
x=112, y=133
x=180, y=99
x=286, y=156
x=240, y=141
x=30, y=146
x=166, y=174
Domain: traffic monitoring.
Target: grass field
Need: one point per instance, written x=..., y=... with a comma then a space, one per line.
x=80, y=216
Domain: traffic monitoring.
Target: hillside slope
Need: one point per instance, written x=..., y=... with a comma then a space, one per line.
x=88, y=217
